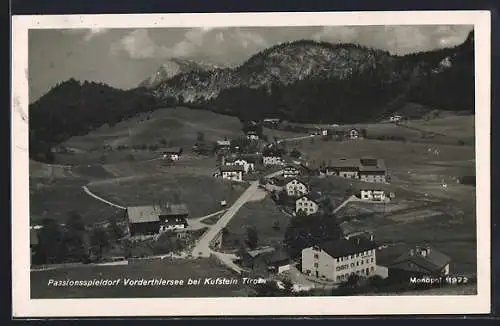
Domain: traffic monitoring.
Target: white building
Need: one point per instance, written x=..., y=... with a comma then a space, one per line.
x=373, y=194
x=232, y=172
x=337, y=260
x=252, y=135
x=308, y=204
x=297, y=188
x=173, y=154
x=291, y=171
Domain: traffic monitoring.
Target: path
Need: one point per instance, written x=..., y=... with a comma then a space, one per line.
x=348, y=200
x=90, y=193
x=295, y=138
x=202, y=248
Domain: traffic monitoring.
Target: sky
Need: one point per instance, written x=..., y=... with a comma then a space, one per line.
x=123, y=58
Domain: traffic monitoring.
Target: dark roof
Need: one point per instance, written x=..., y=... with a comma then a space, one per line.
x=273, y=152
x=259, y=251
x=252, y=158
x=343, y=247
x=144, y=214
x=232, y=168
x=316, y=197
x=343, y=162
x=33, y=237
x=173, y=150
x=175, y=209
x=416, y=262
x=287, y=181
x=370, y=168
x=278, y=256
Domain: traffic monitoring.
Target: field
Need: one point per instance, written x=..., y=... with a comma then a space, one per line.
x=154, y=269
x=259, y=214
x=175, y=126
x=431, y=206
x=57, y=198
x=189, y=188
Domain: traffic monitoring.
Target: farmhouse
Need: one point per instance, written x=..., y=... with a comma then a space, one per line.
x=174, y=217
x=232, y=172
x=366, y=169
x=345, y=168
x=226, y=144
x=419, y=262
x=149, y=220
x=309, y=204
x=296, y=188
x=291, y=171
x=337, y=260
x=345, y=133
x=249, y=162
x=373, y=194
x=173, y=153
x=265, y=260
x=372, y=170
x=272, y=156
x=252, y=135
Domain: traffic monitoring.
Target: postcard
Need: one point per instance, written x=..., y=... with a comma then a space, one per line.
x=330, y=163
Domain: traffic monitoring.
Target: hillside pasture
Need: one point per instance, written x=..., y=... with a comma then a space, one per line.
x=170, y=126
x=202, y=194
x=57, y=198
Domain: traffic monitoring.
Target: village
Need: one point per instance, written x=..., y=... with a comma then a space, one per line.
x=316, y=254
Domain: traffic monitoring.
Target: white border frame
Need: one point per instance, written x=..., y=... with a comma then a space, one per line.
x=23, y=306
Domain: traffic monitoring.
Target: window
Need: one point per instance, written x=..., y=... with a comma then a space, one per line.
x=316, y=256
x=337, y=260
x=362, y=262
x=357, y=263
x=338, y=278
x=372, y=268
x=372, y=260
x=352, y=265
x=316, y=265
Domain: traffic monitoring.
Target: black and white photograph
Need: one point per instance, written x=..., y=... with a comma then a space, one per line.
x=240, y=157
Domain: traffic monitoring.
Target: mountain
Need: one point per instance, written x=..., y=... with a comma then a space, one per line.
x=317, y=81
x=173, y=67
x=74, y=108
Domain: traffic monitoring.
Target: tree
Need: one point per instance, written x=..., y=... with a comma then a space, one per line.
x=287, y=286
x=268, y=289
x=295, y=153
x=114, y=229
x=252, y=238
x=73, y=238
x=99, y=240
x=306, y=231
x=49, y=245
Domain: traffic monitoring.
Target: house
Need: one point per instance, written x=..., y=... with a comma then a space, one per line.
x=373, y=194
x=223, y=144
x=265, y=260
x=337, y=260
x=296, y=188
x=291, y=171
x=372, y=170
x=174, y=217
x=149, y=220
x=344, y=167
x=272, y=156
x=419, y=262
x=395, y=118
x=309, y=204
x=252, y=135
x=249, y=162
x=278, y=261
x=366, y=169
x=173, y=153
x=232, y=172
x=345, y=133
x=143, y=220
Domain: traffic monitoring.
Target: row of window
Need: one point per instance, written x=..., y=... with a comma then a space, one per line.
x=305, y=204
x=365, y=272
x=364, y=253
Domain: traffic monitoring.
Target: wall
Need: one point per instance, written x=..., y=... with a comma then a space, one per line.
x=311, y=206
